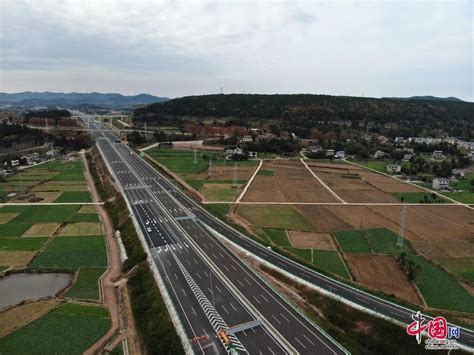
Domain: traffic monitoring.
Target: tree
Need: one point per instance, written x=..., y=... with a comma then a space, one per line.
x=433, y=196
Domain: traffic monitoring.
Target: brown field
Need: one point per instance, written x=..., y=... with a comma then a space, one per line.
x=82, y=228
x=47, y=196
x=355, y=184
x=310, y=240
x=381, y=272
x=433, y=230
x=42, y=230
x=16, y=258
x=5, y=217
x=453, y=249
x=433, y=222
x=87, y=209
x=323, y=218
x=16, y=317
x=291, y=182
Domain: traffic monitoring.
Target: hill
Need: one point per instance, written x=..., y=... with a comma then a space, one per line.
x=300, y=113
x=426, y=98
x=70, y=100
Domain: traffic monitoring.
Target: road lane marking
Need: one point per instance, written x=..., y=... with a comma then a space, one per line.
x=300, y=342
x=276, y=319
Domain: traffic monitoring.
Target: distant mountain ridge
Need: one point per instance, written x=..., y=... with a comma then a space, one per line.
x=28, y=99
x=426, y=98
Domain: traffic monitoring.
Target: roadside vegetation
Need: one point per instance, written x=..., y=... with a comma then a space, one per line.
x=154, y=325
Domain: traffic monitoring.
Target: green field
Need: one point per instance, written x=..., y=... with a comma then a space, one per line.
x=375, y=165
x=384, y=241
x=418, y=197
x=22, y=244
x=85, y=217
x=69, y=329
x=439, y=289
x=74, y=196
x=275, y=216
x=73, y=252
x=219, y=210
x=182, y=161
x=353, y=242
x=278, y=237
x=324, y=259
x=86, y=285
x=464, y=267
x=13, y=230
x=197, y=184
x=265, y=172
x=430, y=279
x=44, y=214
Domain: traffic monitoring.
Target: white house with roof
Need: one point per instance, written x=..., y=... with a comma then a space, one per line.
x=440, y=184
x=438, y=155
x=393, y=168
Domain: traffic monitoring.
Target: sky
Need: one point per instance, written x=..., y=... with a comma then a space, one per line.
x=178, y=48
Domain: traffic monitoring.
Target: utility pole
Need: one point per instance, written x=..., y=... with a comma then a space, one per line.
x=401, y=233
x=20, y=186
x=209, y=171
x=234, y=183
x=46, y=122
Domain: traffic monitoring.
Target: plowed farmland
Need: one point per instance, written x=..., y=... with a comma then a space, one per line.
x=290, y=182
x=381, y=272
x=354, y=184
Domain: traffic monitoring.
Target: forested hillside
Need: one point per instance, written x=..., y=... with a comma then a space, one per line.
x=299, y=113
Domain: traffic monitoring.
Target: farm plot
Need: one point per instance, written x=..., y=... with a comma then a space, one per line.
x=74, y=196
x=275, y=216
x=81, y=228
x=86, y=285
x=224, y=179
x=354, y=184
x=381, y=272
x=42, y=230
x=311, y=240
x=69, y=329
x=73, y=252
x=290, y=181
x=323, y=218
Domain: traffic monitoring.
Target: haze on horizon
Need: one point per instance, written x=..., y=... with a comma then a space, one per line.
x=168, y=48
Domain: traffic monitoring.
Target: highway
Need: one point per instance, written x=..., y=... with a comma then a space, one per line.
x=210, y=287
x=177, y=203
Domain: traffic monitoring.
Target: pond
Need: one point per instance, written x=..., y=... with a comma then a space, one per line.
x=16, y=288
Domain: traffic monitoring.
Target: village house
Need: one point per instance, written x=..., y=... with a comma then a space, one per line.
x=458, y=173
x=315, y=149
x=379, y=154
x=438, y=155
x=440, y=184
x=393, y=168
x=407, y=157
x=246, y=139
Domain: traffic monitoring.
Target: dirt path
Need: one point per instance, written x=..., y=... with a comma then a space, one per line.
x=116, y=299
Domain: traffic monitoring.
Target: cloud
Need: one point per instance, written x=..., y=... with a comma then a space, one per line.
x=183, y=47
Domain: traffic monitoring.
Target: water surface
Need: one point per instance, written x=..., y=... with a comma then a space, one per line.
x=16, y=288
